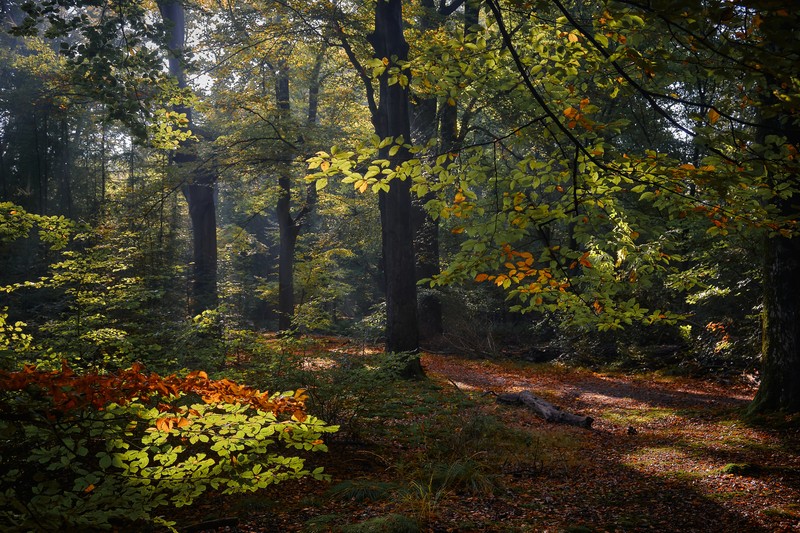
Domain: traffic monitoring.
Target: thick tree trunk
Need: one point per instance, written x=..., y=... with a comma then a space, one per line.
x=200, y=189
x=392, y=120
x=779, y=389
x=780, y=373
x=203, y=214
x=426, y=229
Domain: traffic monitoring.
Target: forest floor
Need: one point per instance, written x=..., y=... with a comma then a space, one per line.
x=664, y=454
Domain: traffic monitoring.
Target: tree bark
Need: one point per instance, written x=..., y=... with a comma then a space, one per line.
x=290, y=226
x=426, y=229
x=780, y=374
x=779, y=389
x=546, y=410
x=392, y=120
x=288, y=230
x=199, y=191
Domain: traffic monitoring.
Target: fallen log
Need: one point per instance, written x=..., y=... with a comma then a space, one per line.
x=546, y=410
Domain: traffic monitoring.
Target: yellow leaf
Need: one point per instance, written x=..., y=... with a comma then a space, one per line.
x=385, y=61
x=362, y=186
x=713, y=116
x=325, y=166
x=572, y=38
x=686, y=166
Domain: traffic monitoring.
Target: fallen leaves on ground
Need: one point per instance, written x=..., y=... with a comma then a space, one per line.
x=658, y=459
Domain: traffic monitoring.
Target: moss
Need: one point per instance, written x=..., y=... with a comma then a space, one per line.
x=791, y=510
x=740, y=469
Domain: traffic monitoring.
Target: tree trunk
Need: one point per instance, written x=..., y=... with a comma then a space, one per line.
x=200, y=189
x=779, y=389
x=289, y=231
x=392, y=120
x=426, y=229
x=780, y=354
x=290, y=226
x=546, y=410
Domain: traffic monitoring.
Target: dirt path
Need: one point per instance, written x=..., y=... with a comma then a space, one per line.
x=659, y=458
x=656, y=457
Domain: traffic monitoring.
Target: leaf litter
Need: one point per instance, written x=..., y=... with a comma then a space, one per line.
x=665, y=454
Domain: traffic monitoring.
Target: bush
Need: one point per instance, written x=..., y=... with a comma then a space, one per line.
x=99, y=451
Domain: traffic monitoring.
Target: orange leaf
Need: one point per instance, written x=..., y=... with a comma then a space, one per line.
x=713, y=115
x=481, y=277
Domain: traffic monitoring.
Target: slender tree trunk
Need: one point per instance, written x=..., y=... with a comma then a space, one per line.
x=286, y=248
x=288, y=230
x=392, y=120
x=64, y=167
x=200, y=189
x=290, y=226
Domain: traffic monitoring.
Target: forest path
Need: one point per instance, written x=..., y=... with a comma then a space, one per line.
x=658, y=458
x=657, y=454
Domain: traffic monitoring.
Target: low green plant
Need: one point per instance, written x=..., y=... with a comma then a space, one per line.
x=390, y=523
x=362, y=490
x=74, y=459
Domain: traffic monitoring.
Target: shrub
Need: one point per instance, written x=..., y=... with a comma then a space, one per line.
x=98, y=451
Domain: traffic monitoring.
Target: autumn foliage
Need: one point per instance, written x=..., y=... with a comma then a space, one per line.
x=108, y=450
x=69, y=391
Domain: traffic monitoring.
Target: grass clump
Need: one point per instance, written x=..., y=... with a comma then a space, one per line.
x=390, y=523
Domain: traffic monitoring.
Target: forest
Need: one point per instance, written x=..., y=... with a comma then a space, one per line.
x=399, y=265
